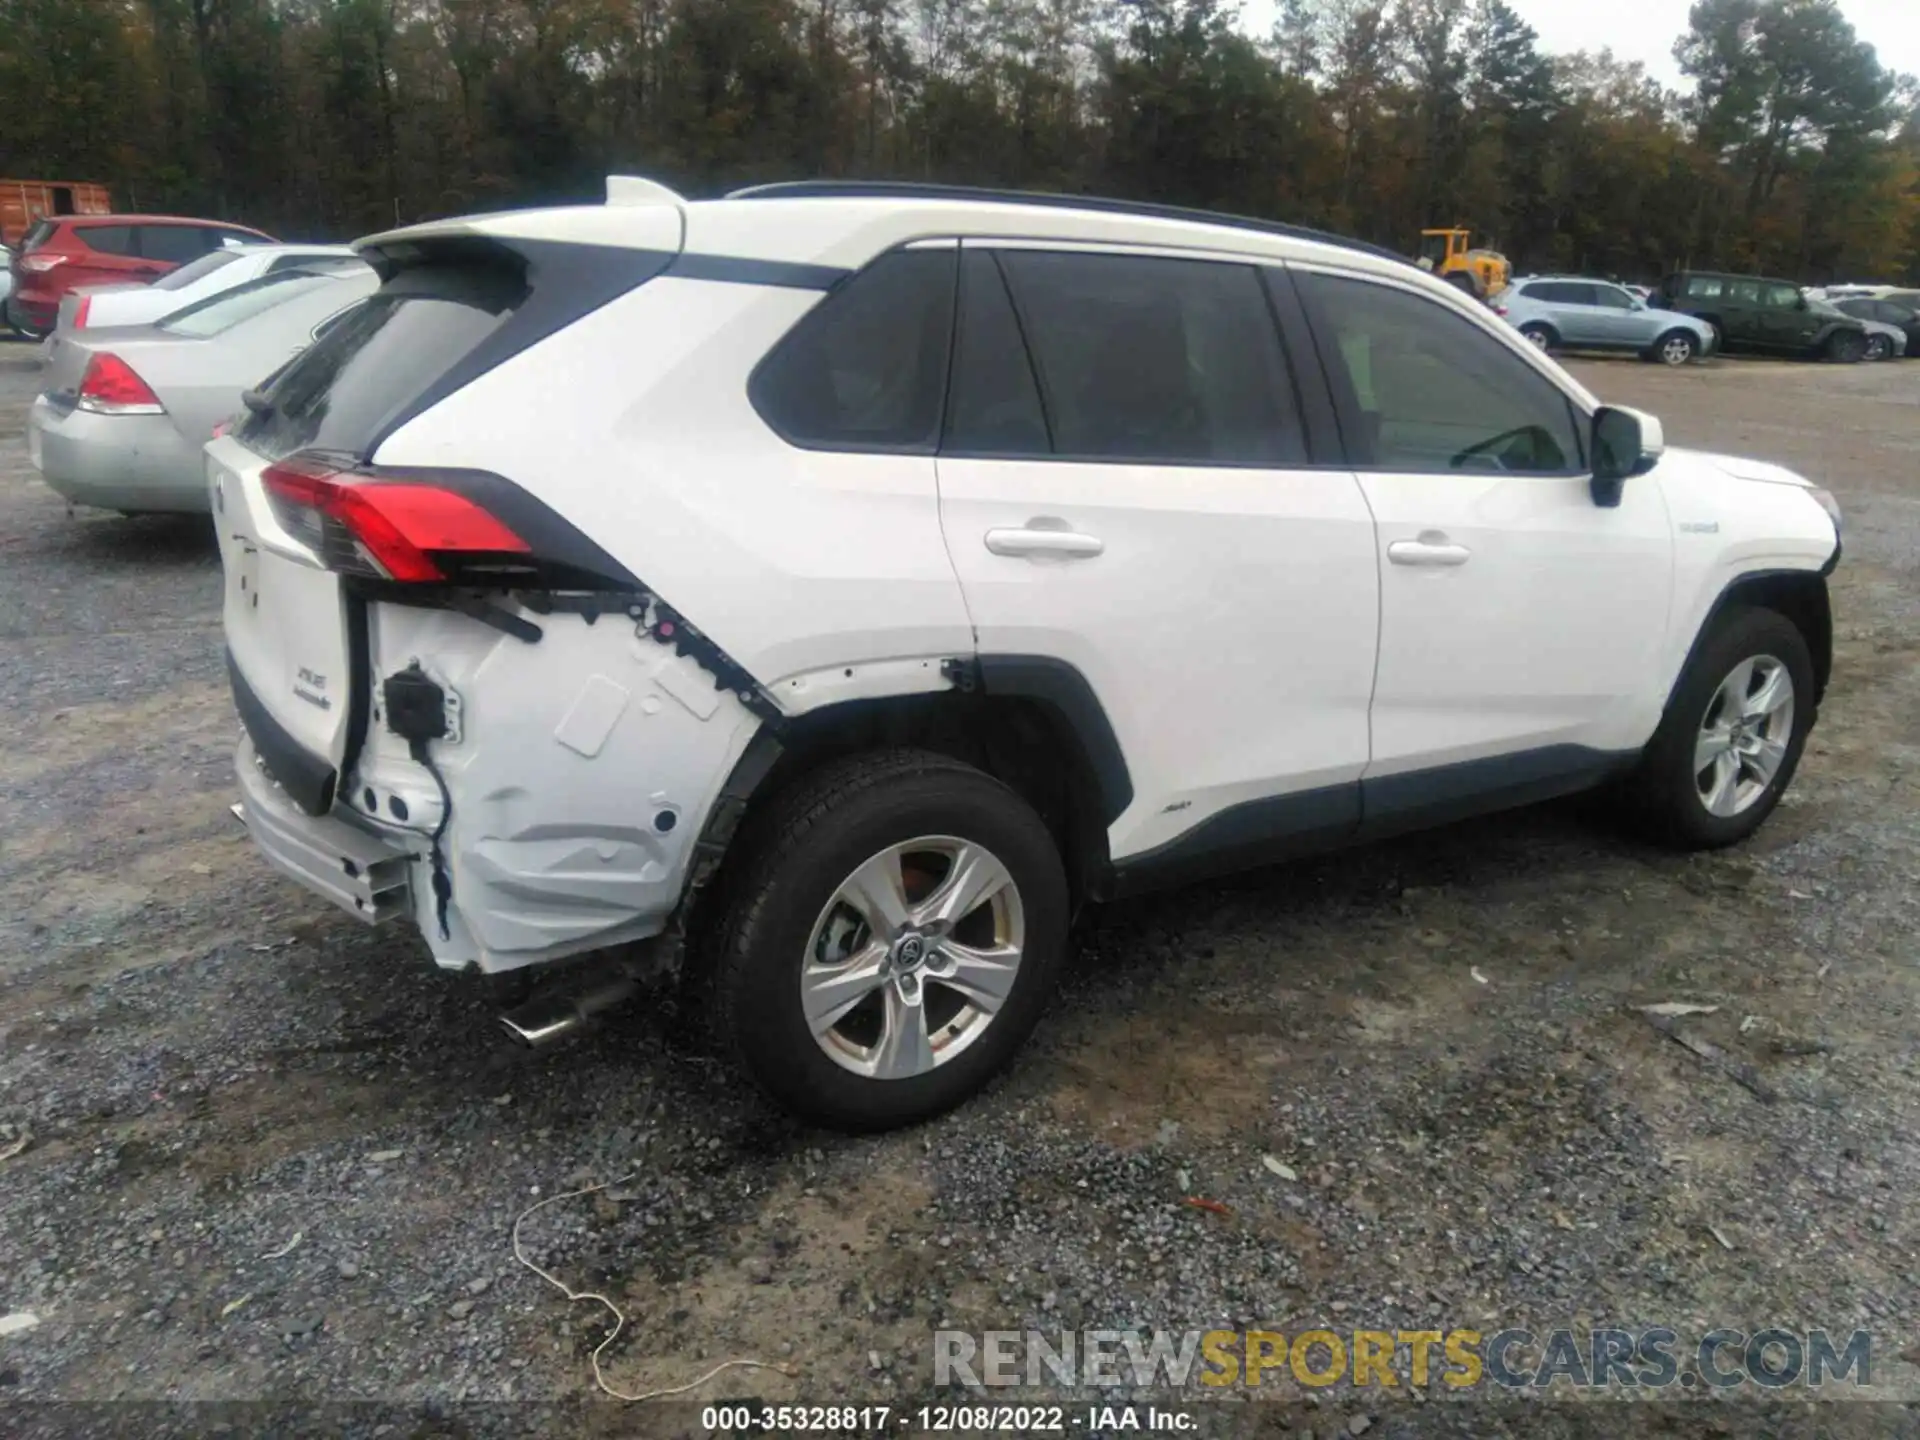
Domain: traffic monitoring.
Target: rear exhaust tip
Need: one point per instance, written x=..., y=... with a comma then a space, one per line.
x=546, y=1018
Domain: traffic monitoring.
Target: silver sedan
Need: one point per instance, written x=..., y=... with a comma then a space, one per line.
x=126, y=410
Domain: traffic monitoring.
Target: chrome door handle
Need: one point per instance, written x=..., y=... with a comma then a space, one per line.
x=1032, y=540
x=1427, y=552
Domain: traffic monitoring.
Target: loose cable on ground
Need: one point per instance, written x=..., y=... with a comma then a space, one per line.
x=619, y=1316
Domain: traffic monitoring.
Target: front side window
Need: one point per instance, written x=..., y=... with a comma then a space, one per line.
x=1612, y=297
x=178, y=243
x=1745, y=292
x=1428, y=391
x=866, y=368
x=1143, y=358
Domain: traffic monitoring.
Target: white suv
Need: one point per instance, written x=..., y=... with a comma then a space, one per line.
x=827, y=589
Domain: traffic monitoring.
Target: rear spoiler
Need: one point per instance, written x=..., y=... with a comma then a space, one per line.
x=639, y=214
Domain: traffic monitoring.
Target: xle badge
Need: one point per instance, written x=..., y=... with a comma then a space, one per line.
x=308, y=687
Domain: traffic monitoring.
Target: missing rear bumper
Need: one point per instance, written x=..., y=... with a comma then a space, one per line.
x=362, y=874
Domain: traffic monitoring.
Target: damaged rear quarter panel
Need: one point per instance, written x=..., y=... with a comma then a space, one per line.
x=586, y=765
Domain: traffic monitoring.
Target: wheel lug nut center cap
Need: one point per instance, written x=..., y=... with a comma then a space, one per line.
x=908, y=952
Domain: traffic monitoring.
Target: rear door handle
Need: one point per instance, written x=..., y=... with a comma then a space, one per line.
x=1428, y=550
x=1040, y=540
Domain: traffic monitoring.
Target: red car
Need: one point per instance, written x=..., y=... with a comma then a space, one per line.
x=63, y=252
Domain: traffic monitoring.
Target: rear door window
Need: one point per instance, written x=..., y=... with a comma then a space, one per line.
x=866, y=368
x=1151, y=359
x=994, y=407
x=175, y=243
x=1705, y=287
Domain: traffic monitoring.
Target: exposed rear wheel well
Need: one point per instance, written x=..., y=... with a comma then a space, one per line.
x=1023, y=743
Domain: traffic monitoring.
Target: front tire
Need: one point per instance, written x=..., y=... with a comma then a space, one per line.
x=887, y=938
x=1878, y=347
x=1732, y=735
x=1675, y=348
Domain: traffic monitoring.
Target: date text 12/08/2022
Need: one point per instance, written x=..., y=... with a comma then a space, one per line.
x=747, y=1419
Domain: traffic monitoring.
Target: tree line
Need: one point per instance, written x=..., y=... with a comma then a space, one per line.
x=1791, y=151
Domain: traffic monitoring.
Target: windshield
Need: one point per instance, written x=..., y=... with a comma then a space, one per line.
x=193, y=270
x=243, y=302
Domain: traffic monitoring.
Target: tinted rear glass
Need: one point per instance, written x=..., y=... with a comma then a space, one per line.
x=243, y=302
x=343, y=391
x=107, y=239
x=187, y=274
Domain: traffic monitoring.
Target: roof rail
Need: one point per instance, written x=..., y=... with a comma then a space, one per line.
x=915, y=190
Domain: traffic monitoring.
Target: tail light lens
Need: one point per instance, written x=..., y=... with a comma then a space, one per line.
x=412, y=531
x=110, y=387
x=81, y=311
x=40, y=262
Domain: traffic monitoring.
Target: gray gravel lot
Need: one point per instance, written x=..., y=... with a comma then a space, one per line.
x=209, y=1065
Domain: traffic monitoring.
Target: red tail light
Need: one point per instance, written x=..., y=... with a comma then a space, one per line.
x=411, y=531
x=81, y=311
x=110, y=387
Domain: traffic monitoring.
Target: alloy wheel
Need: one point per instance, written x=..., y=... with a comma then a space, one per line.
x=913, y=957
x=1743, y=736
x=1676, y=350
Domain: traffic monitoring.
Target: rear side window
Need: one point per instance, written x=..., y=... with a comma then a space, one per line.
x=1560, y=292
x=866, y=368
x=187, y=274
x=178, y=243
x=373, y=362
x=243, y=302
x=1151, y=359
x=107, y=239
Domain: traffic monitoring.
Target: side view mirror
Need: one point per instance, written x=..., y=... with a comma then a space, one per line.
x=1625, y=443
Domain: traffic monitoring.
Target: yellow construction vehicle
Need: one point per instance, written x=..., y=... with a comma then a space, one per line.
x=1483, y=274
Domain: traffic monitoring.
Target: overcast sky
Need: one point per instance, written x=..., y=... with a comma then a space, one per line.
x=1645, y=30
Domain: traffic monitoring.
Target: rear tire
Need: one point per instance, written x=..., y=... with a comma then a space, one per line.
x=1541, y=337
x=1848, y=347
x=837, y=892
x=1878, y=347
x=1732, y=736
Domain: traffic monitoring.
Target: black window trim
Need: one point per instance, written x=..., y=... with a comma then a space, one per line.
x=1319, y=437
x=1346, y=404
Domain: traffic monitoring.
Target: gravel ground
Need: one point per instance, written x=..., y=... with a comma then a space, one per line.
x=273, y=1157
